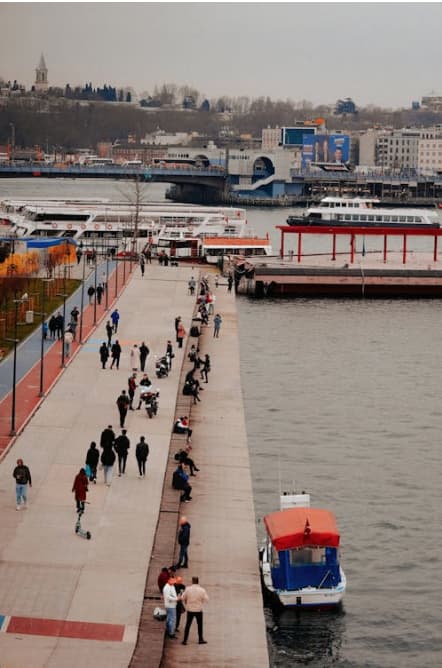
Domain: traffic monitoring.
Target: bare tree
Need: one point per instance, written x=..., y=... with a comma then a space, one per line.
x=136, y=196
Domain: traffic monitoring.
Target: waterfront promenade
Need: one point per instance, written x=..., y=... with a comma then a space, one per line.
x=65, y=600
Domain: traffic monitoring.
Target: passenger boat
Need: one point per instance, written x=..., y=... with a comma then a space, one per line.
x=363, y=212
x=300, y=560
x=181, y=231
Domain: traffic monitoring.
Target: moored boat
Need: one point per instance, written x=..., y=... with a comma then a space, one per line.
x=300, y=563
x=363, y=212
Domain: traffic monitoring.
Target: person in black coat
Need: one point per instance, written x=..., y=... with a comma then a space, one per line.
x=107, y=438
x=104, y=354
x=59, y=325
x=144, y=351
x=100, y=291
x=52, y=326
x=115, y=353
x=141, y=454
x=90, y=293
x=184, y=542
x=122, y=445
x=92, y=457
x=109, y=332
x=108, y=460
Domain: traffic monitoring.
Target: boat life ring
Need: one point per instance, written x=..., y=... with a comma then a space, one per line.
x=54, y=226
x=96, y=226
x=108, y=226
x=69, y=226
x=83, y=226
x=238, y=213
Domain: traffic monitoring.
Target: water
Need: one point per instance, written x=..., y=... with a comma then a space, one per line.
x=343, y=399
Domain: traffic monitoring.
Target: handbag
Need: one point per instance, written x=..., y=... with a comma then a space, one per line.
x=88, y=471
x=160, y=614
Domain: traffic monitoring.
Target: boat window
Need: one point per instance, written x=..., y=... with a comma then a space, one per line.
x=417, y=219
x=356, y=218
x=394, y=219
x=275, y=558
x=402, y=219
x=344, y=204
x=350, y=204
x=370, y=219
x=386, y=219
x=363, y=217
x=379, y=219
x=348, y=216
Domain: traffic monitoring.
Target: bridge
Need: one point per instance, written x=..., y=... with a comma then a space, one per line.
x=206, y=183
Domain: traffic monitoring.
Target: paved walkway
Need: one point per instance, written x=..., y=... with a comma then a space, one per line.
x=66, y=601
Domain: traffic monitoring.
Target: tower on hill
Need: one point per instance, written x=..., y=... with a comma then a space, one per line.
x=41, y=76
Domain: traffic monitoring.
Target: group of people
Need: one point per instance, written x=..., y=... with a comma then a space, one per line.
x=112, y=447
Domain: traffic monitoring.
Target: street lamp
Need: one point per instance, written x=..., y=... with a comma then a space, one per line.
x=44, y=281
x=64, y=295
x=95, y=287
x=82, y=298
x=116, y=277
x=14, y=365
x=107, y=279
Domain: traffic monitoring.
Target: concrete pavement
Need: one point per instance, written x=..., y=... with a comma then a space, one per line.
x=46, y=571
x=65, y=600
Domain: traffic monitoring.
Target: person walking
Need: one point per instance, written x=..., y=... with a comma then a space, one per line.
x=90, y=293
x=107, y=437
x=115, y=317
x=109, y=332
x=59, y=325
x=132, y=386
x=179, y=588
x=68, y=338
x=108, y=460
x=141, y=454
x=92, y=457
x=74, y=314
x=183, y=542
x=100, y=291
x=170, y=599
x=52, y=326
x=122, y=445
x=177, y=322
x=205, y=368
x=181, y=333
x=123, y=402
x=104, y=354
x=217, y=320
x=133, y=357
x=229, y=283
x=22, y=476
x=115, y=354
x=143, y=352
x=142, y=263
x=193, y=599
x=80, y=488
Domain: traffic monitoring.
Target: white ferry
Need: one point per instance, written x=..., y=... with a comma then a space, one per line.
x=179, y=230
x=363, y=212
x=299, y=563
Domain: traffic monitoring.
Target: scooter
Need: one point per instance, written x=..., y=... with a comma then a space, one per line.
x=151, y=402
x=79, y=529
x=162, y=367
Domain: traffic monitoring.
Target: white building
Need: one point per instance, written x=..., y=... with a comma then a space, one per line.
x=430, y=155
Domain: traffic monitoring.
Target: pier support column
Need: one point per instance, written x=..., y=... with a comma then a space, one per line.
x=299, y=246
x=435, y=249
x=334, y=247
x=404, y=250
x=352, y=248
x=281, y=252
x=385, y=248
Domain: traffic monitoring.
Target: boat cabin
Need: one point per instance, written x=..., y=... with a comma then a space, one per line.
x=304, y=546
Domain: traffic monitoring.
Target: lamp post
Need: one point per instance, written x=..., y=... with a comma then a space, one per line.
x=44, y=281
x=107, y=279
x=95, y=288
x=14, y=364
x=64, y=295
x=116, y=276
x=82, y=299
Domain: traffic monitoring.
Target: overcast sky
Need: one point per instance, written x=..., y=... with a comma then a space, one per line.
x=383, y=54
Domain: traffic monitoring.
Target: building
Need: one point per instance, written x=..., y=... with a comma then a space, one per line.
x=270, y=138
x=409, y=148
x=41, y=84
x=430, y=155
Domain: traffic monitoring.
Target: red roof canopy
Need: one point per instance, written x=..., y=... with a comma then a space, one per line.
x=298, y=527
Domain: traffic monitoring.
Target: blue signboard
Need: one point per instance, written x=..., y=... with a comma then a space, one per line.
x=325, y=148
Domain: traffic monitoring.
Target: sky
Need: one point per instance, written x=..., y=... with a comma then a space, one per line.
x=385, y=54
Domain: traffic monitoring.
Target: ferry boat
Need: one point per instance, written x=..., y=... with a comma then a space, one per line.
x=179, y=230
x=300, y=559
x=363, y=212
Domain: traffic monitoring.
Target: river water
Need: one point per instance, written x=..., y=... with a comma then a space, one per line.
x=343, y=399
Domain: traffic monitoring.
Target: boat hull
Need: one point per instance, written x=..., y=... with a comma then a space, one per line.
x=307, y=597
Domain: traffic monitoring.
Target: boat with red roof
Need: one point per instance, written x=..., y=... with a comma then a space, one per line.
x=300, y=562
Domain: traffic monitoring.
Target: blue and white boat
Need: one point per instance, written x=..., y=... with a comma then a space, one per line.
x=299, y=563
